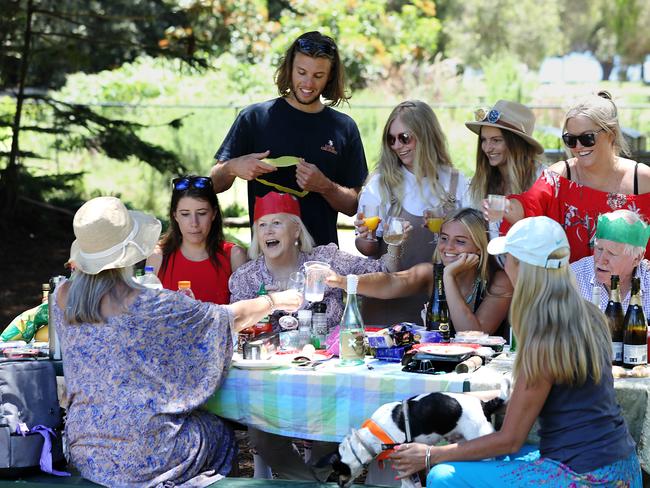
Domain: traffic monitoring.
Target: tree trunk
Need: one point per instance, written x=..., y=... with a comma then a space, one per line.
x=8, y=191
x=607, y=67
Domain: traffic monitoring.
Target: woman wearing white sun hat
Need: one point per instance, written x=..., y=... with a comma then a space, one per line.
x=562, y=374
x=138, y=362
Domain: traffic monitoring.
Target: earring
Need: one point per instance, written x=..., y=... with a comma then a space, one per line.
x=296, y=243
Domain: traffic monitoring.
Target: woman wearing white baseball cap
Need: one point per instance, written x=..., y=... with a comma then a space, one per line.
x=139, y=362
x=562, y=374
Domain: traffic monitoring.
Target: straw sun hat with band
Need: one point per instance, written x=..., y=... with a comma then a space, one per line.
x=110, y=236
x=511, y=116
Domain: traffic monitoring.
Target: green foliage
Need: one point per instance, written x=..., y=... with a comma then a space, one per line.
x=234, y=210
x=506, y=78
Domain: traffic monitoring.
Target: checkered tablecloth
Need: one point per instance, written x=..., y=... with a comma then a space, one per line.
x=324, y=404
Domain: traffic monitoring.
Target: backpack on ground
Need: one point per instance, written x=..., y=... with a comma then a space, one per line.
x=28, y=399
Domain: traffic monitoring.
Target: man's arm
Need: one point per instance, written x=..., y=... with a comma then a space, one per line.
x=247, y=167
x=340, y=198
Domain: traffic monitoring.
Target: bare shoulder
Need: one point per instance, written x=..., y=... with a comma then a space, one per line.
x=62, y=296
x=238, y=257
x=155, y=259
x=500, y=283
x=643, y=173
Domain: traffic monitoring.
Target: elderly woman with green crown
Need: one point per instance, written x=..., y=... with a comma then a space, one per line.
x=621, y=240
x=139, y=362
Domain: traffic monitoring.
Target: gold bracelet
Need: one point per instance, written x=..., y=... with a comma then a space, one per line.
x=270, y=301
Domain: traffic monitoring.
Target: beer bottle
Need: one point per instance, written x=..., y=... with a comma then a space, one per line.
x=615, y=318
x=433, y=308
x=635, y=347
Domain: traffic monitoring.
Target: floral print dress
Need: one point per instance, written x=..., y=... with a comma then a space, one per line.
x=134, y=384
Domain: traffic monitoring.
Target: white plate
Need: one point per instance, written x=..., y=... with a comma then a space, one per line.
x=446, y=350
x=257, y=363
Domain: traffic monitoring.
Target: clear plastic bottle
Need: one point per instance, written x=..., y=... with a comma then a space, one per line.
x=185, y=287
x=150, y=280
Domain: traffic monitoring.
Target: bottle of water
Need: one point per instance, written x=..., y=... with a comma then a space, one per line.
x=185, y=287
x=351, y=334
x=150, y=280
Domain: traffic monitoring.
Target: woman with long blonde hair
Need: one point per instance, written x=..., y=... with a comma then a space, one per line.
x=414, y=173
x=562, y=374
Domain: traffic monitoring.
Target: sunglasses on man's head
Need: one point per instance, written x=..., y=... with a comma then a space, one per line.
x=587, y=140
x=185, y=182
x=313, y=48
x=403, y=137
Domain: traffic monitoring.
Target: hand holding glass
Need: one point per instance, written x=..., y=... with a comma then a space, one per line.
x=371, y=219
x=316, y=272
x=496, y=207
x=394, y=231
x=433, y=217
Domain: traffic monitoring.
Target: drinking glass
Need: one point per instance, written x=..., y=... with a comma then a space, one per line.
x=394, y=231
x=315, y=274
x=433, y=217
x=296, y=281
x=496, y=207
x=371, y=219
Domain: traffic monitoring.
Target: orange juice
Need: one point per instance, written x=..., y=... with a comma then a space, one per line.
x=434, y=224
x=371, y=222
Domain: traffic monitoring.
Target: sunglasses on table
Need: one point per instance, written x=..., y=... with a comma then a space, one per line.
x=312, y=47
x=403, y=137
x=587, y=140
x=185, y=182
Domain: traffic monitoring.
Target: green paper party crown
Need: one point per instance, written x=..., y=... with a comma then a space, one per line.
x=620, y=230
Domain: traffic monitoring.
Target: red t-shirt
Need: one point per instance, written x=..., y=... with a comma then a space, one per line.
x=209, y=283
x=576, y=207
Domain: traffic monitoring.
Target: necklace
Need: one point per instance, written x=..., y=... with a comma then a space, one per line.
x=469, y=299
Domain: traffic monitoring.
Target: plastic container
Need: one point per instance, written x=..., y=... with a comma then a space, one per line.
x=394, y=354
x=150, y=280
x=185, y=287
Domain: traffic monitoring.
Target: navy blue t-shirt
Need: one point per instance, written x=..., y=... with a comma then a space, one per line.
x=329, y=139
x=582, y=427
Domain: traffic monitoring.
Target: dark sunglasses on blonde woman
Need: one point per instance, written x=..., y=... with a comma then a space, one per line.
x=587, y=140
x=185, y=182
x=403, y=137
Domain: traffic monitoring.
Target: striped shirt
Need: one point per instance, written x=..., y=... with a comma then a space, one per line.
x=585, y=276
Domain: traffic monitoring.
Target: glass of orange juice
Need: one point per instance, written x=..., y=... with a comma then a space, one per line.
x=433, y=217
x=371, y=219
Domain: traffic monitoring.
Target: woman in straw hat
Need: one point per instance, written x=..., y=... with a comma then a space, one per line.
x=596, y=180
x=139, y=362
x=414, y=174
x=562, y=374
x=506, y=153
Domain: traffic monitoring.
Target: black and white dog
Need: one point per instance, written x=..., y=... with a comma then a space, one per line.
x=432, y=417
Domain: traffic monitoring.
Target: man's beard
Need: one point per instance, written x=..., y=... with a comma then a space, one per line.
x=302, y=101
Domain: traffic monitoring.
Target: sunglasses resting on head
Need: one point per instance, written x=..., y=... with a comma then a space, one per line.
x=313, y=47
x=587, y=140
x=184, y=182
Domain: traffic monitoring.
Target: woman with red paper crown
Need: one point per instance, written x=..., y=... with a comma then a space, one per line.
x=280, y=246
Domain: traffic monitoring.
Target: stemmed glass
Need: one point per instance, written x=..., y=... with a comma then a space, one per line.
x=433, y=218
x=394, y=231
x=371, y=219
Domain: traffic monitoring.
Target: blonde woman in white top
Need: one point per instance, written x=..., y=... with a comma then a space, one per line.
x=414, y=173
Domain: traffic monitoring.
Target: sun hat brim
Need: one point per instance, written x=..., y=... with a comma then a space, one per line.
x=497, y=246
x=140, y=247
x=476, y=128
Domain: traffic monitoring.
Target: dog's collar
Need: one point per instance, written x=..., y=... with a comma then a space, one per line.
x=380, y=434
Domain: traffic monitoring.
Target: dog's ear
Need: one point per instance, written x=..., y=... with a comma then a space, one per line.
x=328, y=460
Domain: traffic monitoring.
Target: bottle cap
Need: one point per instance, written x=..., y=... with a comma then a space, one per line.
x=184, y=284
x=148, y=269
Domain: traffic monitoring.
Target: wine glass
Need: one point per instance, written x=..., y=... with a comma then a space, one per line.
x=433, y=218
x=371, y=219
x=394, y=231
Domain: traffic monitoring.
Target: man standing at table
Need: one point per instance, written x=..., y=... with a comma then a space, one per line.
x=332, y=164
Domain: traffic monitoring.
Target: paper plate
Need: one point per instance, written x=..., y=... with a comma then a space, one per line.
x=445, y=350
x=258, y=363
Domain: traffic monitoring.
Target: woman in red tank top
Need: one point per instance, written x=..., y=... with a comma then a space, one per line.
x=193, y=248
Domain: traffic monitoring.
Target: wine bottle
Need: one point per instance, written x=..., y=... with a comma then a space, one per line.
x=615, y=318
x=432, y=318
x=351, y=332
x=635, y=347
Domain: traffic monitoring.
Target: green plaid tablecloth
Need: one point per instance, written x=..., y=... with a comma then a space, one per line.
x=324, y=404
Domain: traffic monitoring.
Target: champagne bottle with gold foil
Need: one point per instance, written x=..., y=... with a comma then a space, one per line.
x=635, y=347
x=615, y=318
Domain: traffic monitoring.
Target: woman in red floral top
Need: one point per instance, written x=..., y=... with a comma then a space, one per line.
x=595, y=180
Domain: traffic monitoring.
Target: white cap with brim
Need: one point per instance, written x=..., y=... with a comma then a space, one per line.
x=533, y=240
x=110, y=236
